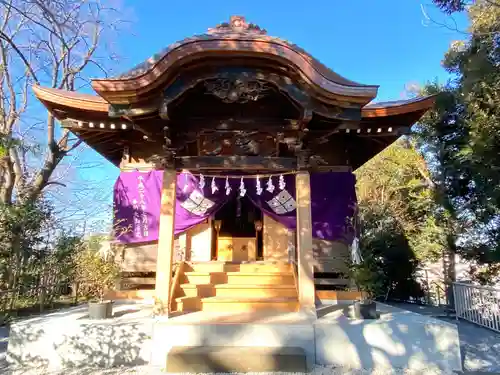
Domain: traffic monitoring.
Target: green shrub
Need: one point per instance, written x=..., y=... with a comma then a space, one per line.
x=368, y=277
x=95, y=273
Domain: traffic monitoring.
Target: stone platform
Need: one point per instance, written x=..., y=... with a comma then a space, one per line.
x=399, y=339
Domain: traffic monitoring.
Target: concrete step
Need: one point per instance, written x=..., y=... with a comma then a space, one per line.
x=243, y=304
x=214, y=359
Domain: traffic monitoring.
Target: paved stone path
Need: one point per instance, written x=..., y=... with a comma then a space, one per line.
x=480, y=347
x=4, y=340
x=147, y=370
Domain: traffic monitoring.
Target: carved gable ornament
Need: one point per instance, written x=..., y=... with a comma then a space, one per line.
x=237, y=24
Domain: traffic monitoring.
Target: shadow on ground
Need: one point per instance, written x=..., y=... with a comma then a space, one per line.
x=479, y=347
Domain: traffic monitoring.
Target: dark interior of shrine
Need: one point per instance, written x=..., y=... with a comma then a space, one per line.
x=238, y=219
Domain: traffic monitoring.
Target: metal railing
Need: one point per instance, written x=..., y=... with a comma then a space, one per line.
x=436, y=294
x=478, y=304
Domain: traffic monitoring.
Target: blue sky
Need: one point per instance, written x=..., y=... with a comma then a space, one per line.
x=385, y=42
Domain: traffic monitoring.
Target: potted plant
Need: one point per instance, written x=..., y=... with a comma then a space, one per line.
x=95, y=274
x=369, y=279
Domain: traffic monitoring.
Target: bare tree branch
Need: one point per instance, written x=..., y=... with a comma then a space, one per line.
x=53, y=43
x=21, y=55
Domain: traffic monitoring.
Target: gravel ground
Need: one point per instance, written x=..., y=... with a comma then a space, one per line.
x=147, y=370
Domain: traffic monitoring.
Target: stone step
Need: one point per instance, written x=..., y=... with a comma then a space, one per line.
x=214, y=359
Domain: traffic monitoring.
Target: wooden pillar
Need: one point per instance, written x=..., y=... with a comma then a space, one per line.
x=305, y=244
x=165, y=242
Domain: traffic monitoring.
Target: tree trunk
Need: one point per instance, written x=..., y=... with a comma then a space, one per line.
x=449, y=270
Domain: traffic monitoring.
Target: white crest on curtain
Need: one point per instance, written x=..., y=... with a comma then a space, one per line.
x=282, y=203
x=197, y=204
x=270, y=186
x=355, y=252
x=243, y=191
x=282, y=183
x=202, y=181
x=258, y=186
x=213, y=185
x=227, y=187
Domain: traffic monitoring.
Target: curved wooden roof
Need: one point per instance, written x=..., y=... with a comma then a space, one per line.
x=71, y=100
x=230, y=40
x=398, y=107
x=128, y=108
x=74, y=101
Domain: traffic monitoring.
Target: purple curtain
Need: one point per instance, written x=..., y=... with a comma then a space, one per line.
x=137, y=206
x=193, y=204
x=137, y=202
x=333, y=205
x=277, y=198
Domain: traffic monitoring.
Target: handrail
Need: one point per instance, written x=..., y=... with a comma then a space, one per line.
x=175, y=283
x=477, y=304
x=295, y=276
x=489, y=288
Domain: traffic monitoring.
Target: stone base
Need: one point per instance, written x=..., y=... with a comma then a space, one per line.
x=252, y=337
x=213, y=359
x=398, y=339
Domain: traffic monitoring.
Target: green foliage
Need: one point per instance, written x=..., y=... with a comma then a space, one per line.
x=35, y=255
x=397, y=211
x=368, y=276
x=94, y=241
x=461, y=138
x=6, y=143
x=394, y=191
x=450, y=6
x=94, y=273
x=22, y=239
x=384, y=239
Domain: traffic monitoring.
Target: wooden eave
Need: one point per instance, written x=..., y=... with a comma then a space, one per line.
x=380, y=125
x=157, y=71
x=74, y=101
x=387, y=109
x=55, y=99
x=109, y=145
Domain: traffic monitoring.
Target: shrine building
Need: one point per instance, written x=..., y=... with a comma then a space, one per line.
x=236, y=151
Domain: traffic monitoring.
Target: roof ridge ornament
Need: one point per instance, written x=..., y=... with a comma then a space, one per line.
x=237, y=24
